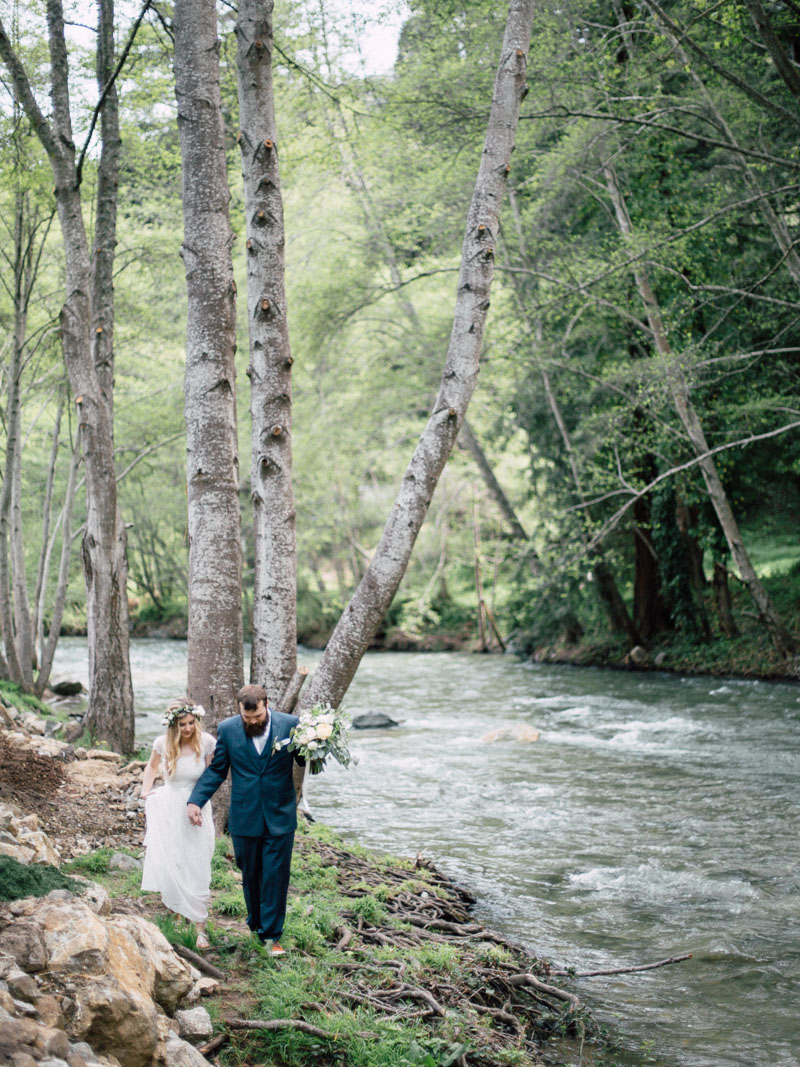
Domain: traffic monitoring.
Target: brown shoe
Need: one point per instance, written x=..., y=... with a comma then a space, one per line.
x=276, y=950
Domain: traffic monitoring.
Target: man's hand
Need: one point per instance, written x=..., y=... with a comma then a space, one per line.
x=195, y=815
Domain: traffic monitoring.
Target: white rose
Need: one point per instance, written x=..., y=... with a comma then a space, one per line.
x=312, y=745
x=324, y=730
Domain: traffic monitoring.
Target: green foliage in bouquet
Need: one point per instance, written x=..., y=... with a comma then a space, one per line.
x=320, y=733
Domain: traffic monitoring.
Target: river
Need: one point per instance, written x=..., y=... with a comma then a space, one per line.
x=656, y=815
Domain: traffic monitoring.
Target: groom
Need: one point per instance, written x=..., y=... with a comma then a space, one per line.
x=263, y=815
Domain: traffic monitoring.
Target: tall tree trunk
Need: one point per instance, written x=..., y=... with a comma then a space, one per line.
x=22, y=610
x=48, y=647
x=372, y=598
x=722, y=599
x=105, y=231
x=44, y=554
x=215, y=654
x=110, y=712
x=7, y=614
x=783, y=641
x=274, y=657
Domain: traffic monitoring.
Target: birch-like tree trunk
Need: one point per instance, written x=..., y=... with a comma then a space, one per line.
x=110, y=712
x=781, y=638
x=274, y=656
x=215, y=655
x=47, y=647
x=8, y=622
x=372, y=598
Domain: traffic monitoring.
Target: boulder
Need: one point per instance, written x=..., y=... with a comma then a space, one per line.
x=180, y=1053
x=67, y=688
x=195, y=1025
x=121, y=861
x=637, y=656
x=373, y=720
x=118, y=972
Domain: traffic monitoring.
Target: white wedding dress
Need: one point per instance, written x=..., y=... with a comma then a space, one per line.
x=177, y=861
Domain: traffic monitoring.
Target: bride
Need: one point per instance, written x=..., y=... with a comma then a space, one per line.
x=177, y=861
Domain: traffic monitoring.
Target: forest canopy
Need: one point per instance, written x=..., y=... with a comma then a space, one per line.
x=627, y=473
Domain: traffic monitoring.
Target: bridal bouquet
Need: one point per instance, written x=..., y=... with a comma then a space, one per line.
x=321, y=732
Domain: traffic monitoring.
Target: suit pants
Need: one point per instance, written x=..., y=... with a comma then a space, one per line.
x=265, y=863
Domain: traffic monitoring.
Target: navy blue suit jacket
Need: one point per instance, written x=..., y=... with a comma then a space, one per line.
x=262, y=791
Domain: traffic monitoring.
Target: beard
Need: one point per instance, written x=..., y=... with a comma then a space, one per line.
x=255, y=729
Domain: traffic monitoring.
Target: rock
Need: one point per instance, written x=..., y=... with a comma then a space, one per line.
x=195, y=1025
x=118, y=972
x=514, y=731
x=24, y=942
x=120, y=861
x=206, y=985
x=43, y=850
x=373, y=720
x=637, y=655
x=71, y=731
x=180, y=1053
x=660, y=659
x=67, y=688
x=6, y=718
x=104, y=754
x=97, y=898
x=17, y=852
x=22, y=986
x=33, y=724
x=51, y=746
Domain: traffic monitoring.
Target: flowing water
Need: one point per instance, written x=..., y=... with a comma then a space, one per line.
x=656, y=815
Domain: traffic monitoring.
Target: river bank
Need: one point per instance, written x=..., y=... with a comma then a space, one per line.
x=386, y=964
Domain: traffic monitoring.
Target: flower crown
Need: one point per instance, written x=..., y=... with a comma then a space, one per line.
x=173, y=714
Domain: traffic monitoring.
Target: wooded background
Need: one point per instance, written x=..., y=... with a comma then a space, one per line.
x=626, y=473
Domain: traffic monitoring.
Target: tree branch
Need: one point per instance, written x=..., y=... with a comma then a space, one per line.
x=107, y=88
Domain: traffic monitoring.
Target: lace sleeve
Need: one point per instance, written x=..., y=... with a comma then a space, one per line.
x=209, y=744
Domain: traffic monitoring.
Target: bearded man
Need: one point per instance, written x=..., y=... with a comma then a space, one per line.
x=263, y=812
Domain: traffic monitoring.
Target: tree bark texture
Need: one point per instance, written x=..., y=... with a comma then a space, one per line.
x=215, y=655
x=784, y=642
x=372, y=598
x=274, y=657
x=48, y=647
x=105, y=231
x=110, y=712
x=7, y=575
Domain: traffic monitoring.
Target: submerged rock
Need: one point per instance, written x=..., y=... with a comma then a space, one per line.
x=373, y=720
x=512, y=731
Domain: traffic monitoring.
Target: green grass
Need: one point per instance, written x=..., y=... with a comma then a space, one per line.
x=11, y=693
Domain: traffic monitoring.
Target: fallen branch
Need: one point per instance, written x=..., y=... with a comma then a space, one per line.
x=543, y=987
x=200, y=962
x=213, y=1044
x=624, y=970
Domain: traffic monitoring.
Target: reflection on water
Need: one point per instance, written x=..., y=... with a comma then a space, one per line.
x=656, y=815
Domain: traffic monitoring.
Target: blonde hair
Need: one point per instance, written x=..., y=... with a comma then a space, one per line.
x=173, y=736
